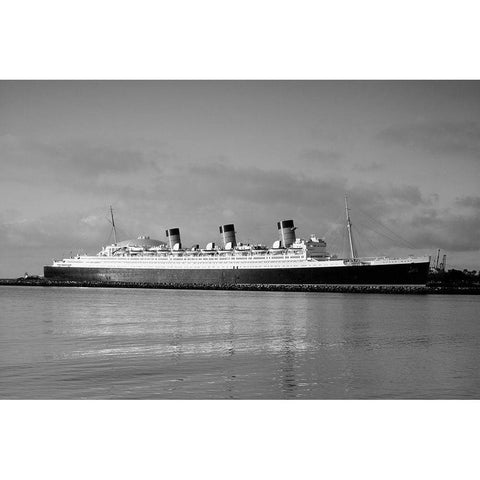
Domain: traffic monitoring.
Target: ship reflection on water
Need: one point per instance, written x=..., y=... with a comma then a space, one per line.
x=174, y=344
x=287, y=368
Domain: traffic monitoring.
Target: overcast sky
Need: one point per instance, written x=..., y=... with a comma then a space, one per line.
x=195, y=155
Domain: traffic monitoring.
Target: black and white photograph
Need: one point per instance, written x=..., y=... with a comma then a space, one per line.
x=240, y=239
x=263, y=249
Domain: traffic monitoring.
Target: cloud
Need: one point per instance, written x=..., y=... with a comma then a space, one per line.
x=388, y=200
x=409, y=194
x=67, y=230
x=260, y=186
x=369, y=167
x=25, y=156
x=30, y=243
x=215, y=192
x=254, y=199
x=437, y=138
x=80, y=167
x=197, y=197
x=315, y=156
x=448, y=231
x=468, y=201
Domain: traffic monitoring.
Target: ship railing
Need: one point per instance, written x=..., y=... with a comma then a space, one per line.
x=166, y=259
x=130, y=259
x=395, y=259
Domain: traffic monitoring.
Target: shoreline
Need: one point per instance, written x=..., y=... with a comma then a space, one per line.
x=383, y=289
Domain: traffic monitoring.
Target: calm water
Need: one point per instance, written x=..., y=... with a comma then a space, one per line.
x=116, y=343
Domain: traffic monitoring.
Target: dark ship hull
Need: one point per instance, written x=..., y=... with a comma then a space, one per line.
x=390, y=274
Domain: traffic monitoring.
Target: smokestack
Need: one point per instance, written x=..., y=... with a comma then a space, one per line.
x=286, y=232
x=173, y=235
x=228, y=233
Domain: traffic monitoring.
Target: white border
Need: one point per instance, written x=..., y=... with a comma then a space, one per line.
x=267, y=39
x=239, y=40
x=238, y=440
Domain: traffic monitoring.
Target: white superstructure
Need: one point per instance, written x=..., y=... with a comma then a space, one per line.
x=147, y=253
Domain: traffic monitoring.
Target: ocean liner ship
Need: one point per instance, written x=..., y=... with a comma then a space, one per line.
x=290, y=260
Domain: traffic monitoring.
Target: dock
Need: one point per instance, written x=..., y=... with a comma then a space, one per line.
x=339, y=288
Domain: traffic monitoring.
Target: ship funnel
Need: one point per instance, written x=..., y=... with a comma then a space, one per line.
x=228, y=234
x=286, y=232
x=173, y=235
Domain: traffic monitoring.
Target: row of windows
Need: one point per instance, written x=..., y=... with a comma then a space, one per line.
x=98, y=263
x=186, y=259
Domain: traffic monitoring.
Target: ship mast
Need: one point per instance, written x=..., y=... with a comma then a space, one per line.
x=353, y=252
x=113, y=225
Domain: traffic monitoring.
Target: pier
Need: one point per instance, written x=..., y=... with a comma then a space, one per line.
x=379, y=289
